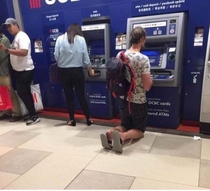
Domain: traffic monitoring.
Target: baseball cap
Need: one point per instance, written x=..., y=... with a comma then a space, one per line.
x=10, y=21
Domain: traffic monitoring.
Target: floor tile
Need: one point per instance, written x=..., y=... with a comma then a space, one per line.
x=204, y=180
x=4, y=150
x=16, y=138
x=93, y=131
x=99, y=180
x=6, y=126
x=50, y=126
x=52, y=155
x=18, y=161
x=141, y=145
x=175, y=136
x=174, y=146
x=157, y=167
x=205, y=149
x=65, y=144
x=54, y=172
x=6, y=178
x=145, y=184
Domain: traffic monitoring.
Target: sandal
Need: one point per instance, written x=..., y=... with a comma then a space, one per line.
x=117, y=142
x=71, y=123
x=105, y=142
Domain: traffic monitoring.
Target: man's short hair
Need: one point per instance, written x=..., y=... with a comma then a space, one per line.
x=137, y=34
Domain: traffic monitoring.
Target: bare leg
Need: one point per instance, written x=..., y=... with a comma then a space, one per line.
x=118, y=138
x=131, y=134
x=109, y=132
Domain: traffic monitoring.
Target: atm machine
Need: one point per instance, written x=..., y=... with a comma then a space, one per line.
x=98, y=44
x=97, y=37
x=165, y=50
x=205, y=98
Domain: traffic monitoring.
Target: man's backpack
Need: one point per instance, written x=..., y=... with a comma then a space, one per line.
x=120, y=77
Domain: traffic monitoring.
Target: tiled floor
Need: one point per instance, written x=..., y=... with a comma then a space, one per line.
x=52, y=155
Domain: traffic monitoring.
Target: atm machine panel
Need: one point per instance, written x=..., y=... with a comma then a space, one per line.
x=164, y=46
x=97, y=39
x=98, y=44
x=162, y=62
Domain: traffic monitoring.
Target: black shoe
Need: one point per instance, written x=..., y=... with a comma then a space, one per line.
x=15, y=118
x=4, y=116
x=33, y=120
x=71, y=123
x=89, y=122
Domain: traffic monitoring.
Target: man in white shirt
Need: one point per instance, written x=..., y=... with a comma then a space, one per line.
x=22, y=64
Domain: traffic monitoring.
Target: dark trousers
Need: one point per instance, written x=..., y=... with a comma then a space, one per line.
x=23, y=82
x=74, y=78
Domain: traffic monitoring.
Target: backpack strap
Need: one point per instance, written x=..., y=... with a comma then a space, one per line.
x=123, y=57
x=132, y=75
x=132, y=85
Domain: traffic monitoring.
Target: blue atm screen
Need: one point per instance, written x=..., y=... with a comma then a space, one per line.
x=154, y=57
x=97, y=47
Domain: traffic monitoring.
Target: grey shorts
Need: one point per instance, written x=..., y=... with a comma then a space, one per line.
x=137, y=119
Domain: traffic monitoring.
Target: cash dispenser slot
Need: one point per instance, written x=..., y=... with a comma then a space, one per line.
x=98, y=61
x=162, y=75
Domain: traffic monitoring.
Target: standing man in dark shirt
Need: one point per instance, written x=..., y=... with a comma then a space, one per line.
x=14, y=114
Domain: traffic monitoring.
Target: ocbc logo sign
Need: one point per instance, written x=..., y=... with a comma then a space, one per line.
x=51, y=2
x=153, y=102
x=54, y=30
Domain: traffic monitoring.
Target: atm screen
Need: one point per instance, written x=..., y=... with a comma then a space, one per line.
x=96, y=47
x=155, y=57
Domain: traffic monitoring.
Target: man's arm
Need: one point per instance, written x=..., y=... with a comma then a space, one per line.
x=20, y=52
x=146, y=77
x=147, y=81
x=5, y=47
